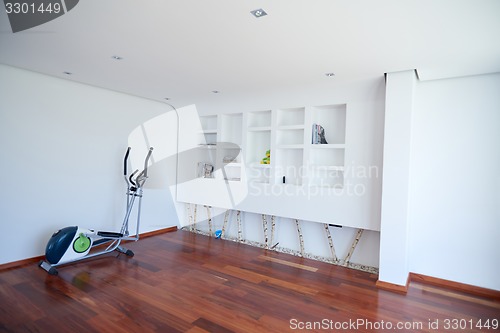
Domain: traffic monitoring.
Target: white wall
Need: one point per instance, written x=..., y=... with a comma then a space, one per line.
x=455, y=180
x=61, y=150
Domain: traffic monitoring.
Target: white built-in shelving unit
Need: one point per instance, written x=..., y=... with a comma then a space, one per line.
x=225, y=139
x=302, y=179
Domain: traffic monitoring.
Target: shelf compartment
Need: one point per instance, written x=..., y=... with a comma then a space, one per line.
x=259, y=119
x=232, y=172
x=208, y=123
x=290, y=117
x=231, y=128
x=208, y=130
x=205, y=167
x=333, y=157
x=333, y=120
x=257, y=145
x=326, y=177
x=289, y=164
x=259, y=173
x=207, y=138
x=290, y=136
x=229, y=156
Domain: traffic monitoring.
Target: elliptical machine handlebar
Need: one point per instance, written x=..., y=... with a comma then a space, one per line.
x=128, y=180
x=141, y=178
x=125, y=160
x=146, y=162
x=131, y=178
x=136, y=179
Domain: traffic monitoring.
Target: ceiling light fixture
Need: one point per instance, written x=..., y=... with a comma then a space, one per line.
x=68, y=73
x=330, y=74
x=215, y=91
x=258, y=12
x=116, y=57
x=167, y=98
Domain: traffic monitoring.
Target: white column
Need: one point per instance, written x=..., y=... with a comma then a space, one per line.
x=394, y=257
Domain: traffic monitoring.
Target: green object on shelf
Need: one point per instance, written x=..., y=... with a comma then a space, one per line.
x=267, y=159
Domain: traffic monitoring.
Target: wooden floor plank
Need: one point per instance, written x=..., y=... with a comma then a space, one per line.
x=184, y=282
x=288, y=263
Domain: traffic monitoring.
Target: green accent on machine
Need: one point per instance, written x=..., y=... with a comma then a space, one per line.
x=81, y=244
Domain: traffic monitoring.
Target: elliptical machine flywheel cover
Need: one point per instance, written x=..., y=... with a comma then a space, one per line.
x=59, y=243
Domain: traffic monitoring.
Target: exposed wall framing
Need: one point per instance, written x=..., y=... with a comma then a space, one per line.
x=268, y=241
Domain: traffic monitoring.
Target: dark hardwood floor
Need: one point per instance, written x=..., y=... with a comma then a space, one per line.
x=183, y=282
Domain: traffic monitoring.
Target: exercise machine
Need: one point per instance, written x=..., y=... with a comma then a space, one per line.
x=75, y=243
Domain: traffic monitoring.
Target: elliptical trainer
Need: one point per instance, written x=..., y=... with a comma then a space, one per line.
x=75, y=243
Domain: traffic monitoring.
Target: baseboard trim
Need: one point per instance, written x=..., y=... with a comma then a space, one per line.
x=397, y=288
x=466, y=288
x=15, y=264
x=28, y=261
x=442, y=283
x=154, y=233
x=158, y=232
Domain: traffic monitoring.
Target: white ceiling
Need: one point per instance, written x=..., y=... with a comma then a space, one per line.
x=185, y=49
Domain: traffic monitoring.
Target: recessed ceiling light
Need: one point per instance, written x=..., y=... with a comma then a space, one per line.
x=68, y=73
x=258, y=12
x=330, y=74
x=167, y=98
x=116, y=57
x=215, y=91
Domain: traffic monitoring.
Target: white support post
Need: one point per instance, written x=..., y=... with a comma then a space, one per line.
x=194, y=216
x=395, y=209
x=224, y=226
x=353, y=247
x=273, y=226
x=209, y=218
x=301, y=239
x=238, y=219
x=264, y=224
x=190, y=217
x=330, y=241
